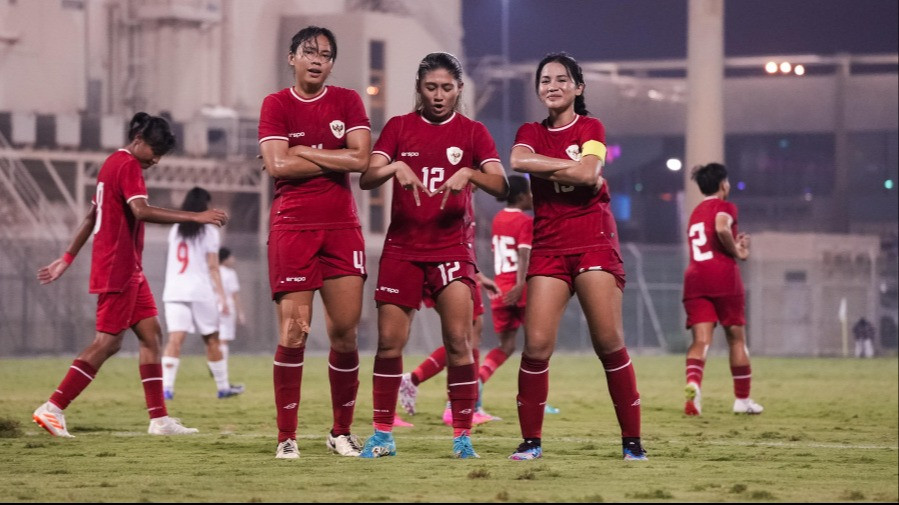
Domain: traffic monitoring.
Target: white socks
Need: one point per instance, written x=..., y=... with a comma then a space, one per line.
x=220, y=374
x=169, y=372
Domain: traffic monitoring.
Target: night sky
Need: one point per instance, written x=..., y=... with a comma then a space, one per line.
x=612, y=30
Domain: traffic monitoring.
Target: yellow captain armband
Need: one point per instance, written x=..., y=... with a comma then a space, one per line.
x=594, y=147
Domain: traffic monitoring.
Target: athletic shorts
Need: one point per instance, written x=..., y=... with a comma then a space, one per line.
x=567, y=267
x=300, y=260
x=227, y=326
x=507, y=318
x=727, y=310
x=478, y=302
x=408, y=283
x=192, y=317
x=118, y=311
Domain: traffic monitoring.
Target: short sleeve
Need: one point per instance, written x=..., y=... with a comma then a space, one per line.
x=132, y=181
x=272, y=120
x=525, y=236
x=484, y=146
x=355, y=113
x=593, y=130
x=389, y=139
x=526, y=137
x=212, y=239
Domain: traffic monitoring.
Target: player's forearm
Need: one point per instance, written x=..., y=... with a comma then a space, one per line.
x=524, y=161
x=159, y=215
x=375, y=176
x=495, y=184
x=730, y=245
x=292, y=167
x=524, y=261
x=583, y=173
x=337, y=160
x=83, y=233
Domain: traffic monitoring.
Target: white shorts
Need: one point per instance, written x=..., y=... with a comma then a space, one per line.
x=192, y=317
x=227, y=326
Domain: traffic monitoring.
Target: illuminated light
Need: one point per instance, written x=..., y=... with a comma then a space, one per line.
x=807, y=197
x=799, y=70
x=655, y=94
x=771, y=67
x=784, y=143
x=785, y=67
x=638, y=187
x=613, y=152
x=741, y=185
x=666, y=197
x=372, y=90
x=674, y=164
x=888, y=184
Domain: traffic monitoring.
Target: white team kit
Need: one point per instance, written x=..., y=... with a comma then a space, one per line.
x=190, y=301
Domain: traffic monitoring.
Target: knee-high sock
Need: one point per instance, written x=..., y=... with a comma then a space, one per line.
x=462, y=389
x=343, y=374
x=695, y=369
x=431, y=366
x=622, y=384
x=533, y=388
x=219, y=371
x=495, y=358
x=79, y=376
x=742, y=380
x=288, y=377
x=388, y=373
x=151, y=378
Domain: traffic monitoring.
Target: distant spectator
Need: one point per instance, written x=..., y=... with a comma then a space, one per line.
x=864, y=338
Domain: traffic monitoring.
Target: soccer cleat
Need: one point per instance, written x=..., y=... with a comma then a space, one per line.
x=166, y=425
x=481, y=416
x=51, y=418
x=527, y=452
x=448, y=415
x=408, y=393
x=634, y=452
x=462, y=448
x=233, y=390
x=168, y=394
x=379, y=445
x=747, y=406
x=398, y=422
x=693, y=406
x=345, y=445
x=288, y=450
x=549, y=409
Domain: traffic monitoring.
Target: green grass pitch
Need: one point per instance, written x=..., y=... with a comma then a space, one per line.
x=829, y=433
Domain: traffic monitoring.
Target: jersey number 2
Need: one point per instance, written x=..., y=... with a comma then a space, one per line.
x=697, y=240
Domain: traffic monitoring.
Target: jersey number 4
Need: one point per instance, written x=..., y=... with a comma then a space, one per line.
x=697, y=240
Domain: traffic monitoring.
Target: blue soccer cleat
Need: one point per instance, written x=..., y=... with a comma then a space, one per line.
x=462, y=448
x=168, y=394
x=527, y=452
x=233, y=390
x=633, y=451
x=379, y=445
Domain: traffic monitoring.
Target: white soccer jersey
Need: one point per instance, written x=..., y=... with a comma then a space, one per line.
x=187, y=270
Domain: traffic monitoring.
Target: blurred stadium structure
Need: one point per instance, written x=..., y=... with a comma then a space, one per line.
x=800, y=151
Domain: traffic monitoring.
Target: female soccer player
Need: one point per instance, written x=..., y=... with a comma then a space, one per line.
x=713, y=289
x=575, y=251
x=312, y=136
x=433, y=154
x=235, y=314
x=116, y=220
x=193, y=293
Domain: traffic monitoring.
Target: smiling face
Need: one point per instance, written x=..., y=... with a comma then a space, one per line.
x=439, y=92
x=557, y=89
x=312, y=63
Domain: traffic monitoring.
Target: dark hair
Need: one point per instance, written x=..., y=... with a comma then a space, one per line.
x=154, y=130
x=196, y=200
x=574, y=71
x=518, y=186
x=311, y=33
x=432, y=62
x=224, y=253
x=709, y=177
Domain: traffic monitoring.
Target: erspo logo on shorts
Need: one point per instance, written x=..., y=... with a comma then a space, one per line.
x=294, y=279
x=389, y=290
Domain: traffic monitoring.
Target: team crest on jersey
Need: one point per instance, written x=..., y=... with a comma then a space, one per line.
x=454, y=154
x=574, y=152
x=338, y=128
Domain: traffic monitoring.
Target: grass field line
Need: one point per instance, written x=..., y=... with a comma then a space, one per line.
x=578, y=440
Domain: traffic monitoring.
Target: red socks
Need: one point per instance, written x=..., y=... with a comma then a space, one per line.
x=495, y=358
x=343, y=372
x=431, y=366
x=388, y=373
x=151, y=378
x=288, y=376
x=695, y=368
x=622, y=384
x=462, y=389
x=742, y=380
x=79, y=376
x=533, y=388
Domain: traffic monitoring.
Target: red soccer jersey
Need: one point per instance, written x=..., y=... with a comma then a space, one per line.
x=568, y=219
x=512, y=229
x=118, y=235
x=434, y=152
x=325, y=201
x=712, y=271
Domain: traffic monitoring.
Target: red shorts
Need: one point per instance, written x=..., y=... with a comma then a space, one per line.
x=408, y=283
x=567, y=267
x=300, y=260
x=118, y=311
x=478, y=302
x=507, y=318
x=728, y=310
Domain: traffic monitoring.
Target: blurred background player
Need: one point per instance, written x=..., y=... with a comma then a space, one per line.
x=312, y=136
x=434, y=156
x=575, y=250
x=235, y=315
x=116, y=221
x=194, y=296
x=713, y=289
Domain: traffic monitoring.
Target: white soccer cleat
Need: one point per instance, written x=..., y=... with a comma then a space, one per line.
x=345, y=445
x=169, y=426
x=693, y=405
x=747, y=406
x=50, y=418
x=288, y=450
x=408, y=393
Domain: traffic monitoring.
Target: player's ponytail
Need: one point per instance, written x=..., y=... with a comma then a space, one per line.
x=574, y=71
x=196, y=200
x=154, y=130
